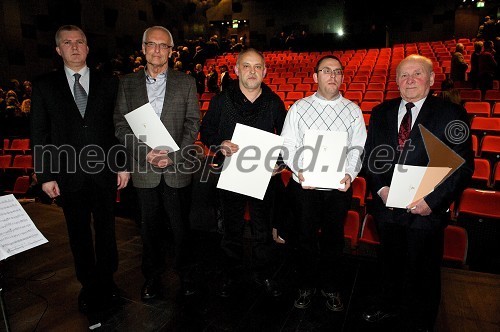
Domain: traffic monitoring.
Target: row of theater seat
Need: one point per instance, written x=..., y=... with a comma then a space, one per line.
x=16, y=146
x=371, y=98
x=361, y=238
x=360, y=65
x=485, y=176
x=21, y=186
x=390, y=57
x=16, y=163
x=483, y=108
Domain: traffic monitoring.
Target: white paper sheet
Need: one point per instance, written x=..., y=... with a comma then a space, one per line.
x=148, y=128
x=249, y=170
x=17, y=231
x=410, y=183
x=325, y=160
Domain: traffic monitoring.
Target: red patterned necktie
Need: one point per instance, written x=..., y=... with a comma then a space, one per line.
x=405, y=127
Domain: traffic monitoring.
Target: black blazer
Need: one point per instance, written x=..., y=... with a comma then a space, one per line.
x=226, y=81
x=56, y=125
x=435, y=115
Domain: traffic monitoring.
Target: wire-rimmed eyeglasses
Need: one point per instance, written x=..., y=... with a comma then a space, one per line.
x=162, y=46
x=329, y=71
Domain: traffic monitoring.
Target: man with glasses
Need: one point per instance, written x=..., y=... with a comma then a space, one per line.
x=313, y=209
x=159, y=176
x=252, y=103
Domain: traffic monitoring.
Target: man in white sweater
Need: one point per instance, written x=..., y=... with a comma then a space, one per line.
x=313, y=208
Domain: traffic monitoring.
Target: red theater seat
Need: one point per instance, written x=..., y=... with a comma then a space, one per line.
x=478, y=108
x=456, y=244
x=351, y=231
x=21, y=186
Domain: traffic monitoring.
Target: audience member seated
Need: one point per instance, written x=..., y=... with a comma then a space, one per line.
x=449, y=93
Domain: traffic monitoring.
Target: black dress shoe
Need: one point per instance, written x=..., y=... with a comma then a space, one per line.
x=188, y=288
x=150, y=290
x=272, y=287
x=305, y=298
x=378, y=315
x=333, y=300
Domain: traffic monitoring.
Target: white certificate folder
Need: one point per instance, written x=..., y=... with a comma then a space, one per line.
x=148, y=128
x=411, y=183
x=324, y=158
x=249, y=170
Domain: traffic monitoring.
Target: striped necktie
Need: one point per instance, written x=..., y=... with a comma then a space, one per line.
x=80, y=95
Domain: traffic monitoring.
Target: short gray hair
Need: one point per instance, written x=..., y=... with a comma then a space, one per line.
x=68, y=27
x=157, y=27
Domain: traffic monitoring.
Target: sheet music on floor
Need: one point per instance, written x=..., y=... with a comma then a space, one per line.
x=18, y=233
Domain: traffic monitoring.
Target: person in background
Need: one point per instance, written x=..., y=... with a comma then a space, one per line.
x=225, y=78
x=200, y=56
x=213, y=79
x=200, y=77
x=474, y=64
x=487, y=67
x=449, y=92
x=178, y=66
x=458, y=64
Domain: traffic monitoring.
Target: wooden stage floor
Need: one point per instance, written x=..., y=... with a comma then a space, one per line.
x=40, y=293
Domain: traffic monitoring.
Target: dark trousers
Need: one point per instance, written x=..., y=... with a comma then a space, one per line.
x=158, y=207
x=319, y=253
x=263, y=248
x=94, y=263
x=411, y=271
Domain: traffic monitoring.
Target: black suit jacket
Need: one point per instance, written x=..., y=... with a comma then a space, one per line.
x=226, y=81
x=435, y=115
x=56, y=125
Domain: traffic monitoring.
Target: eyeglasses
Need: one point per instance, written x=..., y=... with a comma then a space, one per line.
x=335, y=72
x=163, y=46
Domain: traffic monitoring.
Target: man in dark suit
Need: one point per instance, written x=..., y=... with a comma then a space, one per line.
x=200, y=78
x=225, y=78
x=161, y=177
x=412, y=239
x=72, y=135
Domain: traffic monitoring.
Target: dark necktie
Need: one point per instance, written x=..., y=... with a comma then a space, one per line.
x=405, y=127
x=80, y=95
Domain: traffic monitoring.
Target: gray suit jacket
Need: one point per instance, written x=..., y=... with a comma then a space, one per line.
x=181, y=117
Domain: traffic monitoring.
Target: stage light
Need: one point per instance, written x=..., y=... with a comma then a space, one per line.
x=340, y=32
x=480, y=4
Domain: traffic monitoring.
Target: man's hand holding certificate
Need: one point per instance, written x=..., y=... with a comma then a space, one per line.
x=148, y=128
x=324, y=159
x=411, y=183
